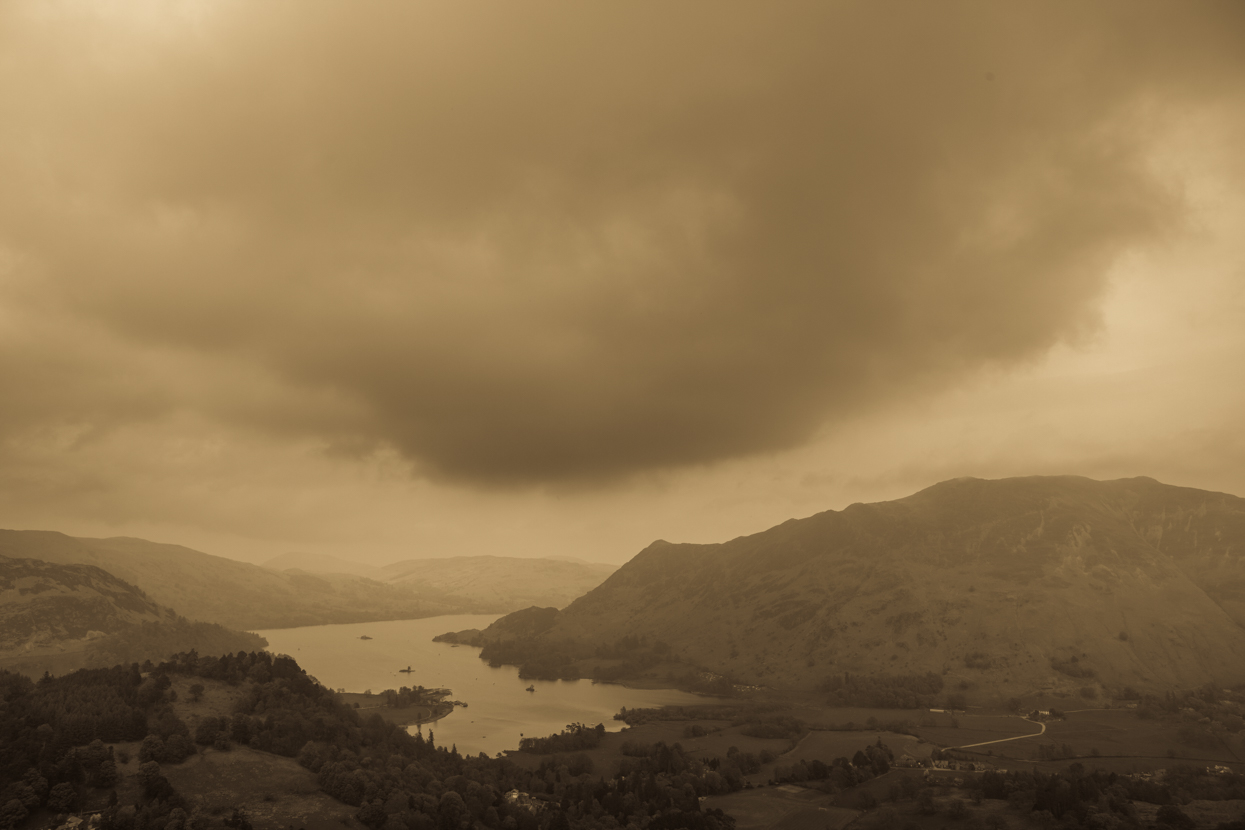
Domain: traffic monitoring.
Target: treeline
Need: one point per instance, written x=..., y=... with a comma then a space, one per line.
x=1074, y=797
x=160, y=640
x=710, y=711
x=53, y=737
x=576, y=737
x=635, y=656
x=903, y=691
x=542, y=659
x=841, y=773
x=536, y=659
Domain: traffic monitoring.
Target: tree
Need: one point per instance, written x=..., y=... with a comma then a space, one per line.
x=149, y=775
x=1169, y=815
x=13, y=813
x=63, y=798
x=196, y=692
x=238, y=821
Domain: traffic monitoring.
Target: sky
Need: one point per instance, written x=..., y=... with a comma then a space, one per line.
x=559, y=279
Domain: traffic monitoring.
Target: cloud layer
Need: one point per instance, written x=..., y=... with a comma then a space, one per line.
x=567, y=242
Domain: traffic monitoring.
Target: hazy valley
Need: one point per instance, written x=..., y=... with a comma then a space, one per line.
x=211, y=588
x=830, y=647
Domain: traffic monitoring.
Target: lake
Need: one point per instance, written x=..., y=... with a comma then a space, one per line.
x=499, y=711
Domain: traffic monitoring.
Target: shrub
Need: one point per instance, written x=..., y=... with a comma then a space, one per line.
x=978, y=660
x=1072, y=668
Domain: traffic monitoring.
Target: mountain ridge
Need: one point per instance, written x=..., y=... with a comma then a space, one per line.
x=63, y=617
x=1056, y=585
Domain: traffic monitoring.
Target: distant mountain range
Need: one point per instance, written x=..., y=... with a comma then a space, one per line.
x=63, y=617
x=1042, y=585
x=498, y=580
x=238, y=594
x=311, y=589
x=492, y=582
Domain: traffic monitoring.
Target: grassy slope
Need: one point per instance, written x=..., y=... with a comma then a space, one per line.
x=59, y=618
x=1020, y=571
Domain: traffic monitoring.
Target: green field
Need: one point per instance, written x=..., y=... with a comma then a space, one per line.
x=782, y=808
x=275, y=792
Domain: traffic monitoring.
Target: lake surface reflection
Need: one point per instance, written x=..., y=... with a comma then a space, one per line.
x=499, y=710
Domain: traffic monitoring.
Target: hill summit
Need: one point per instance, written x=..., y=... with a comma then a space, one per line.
x=1021, y=586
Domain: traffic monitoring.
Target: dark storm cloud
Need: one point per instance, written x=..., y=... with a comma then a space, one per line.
x=547, y=242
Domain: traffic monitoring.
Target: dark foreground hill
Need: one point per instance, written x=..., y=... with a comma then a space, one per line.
x=62, y=617
x=1020, y=586
x=225, y=591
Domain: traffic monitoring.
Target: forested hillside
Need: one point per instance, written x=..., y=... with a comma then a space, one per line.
x=55, y=755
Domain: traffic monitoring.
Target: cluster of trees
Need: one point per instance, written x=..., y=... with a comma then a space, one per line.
x=901, y=691
x=405, y=696
x=576, y=737
x=1210, y=717
x=399, y=781
x=53, y=737
x=736, y=714
x=425, y=787
x=536, y=659
x=1072, y=667
x=158, y=640
x=1100, y=799
x=542, y=659
x=840, y=774
x=659, y=791
x=1055, y=752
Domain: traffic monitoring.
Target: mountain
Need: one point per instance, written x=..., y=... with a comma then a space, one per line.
x=493, y=583
x=320, y=563
x=63, y=617
x=500, y=581
x=41, y=602
x=225, y=591
x=1022, y=586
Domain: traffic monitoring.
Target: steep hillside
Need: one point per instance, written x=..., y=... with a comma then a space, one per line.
x=502, y=582
x=41, y=603
x=1017, y=586
x=63, y=617
x=237, y=594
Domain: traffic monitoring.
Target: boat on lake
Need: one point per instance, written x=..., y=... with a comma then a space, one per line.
x=407, y=670
x=531, y=688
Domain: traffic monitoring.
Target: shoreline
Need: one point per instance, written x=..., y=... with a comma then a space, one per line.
x=414, y=715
